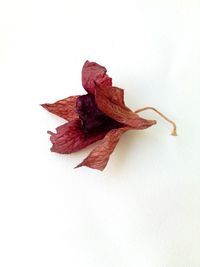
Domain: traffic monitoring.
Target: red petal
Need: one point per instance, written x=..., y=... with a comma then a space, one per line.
x=70, y=138
x=94, y=75
x=65, y=108
x=99, y=157
x=115, y=95
x=113, y=108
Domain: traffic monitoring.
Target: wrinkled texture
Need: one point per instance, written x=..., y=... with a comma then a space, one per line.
x=100, y=114
x=93, y=119
x=94, y=75
x=118, y=112
x=70, y=138
x=65, y=108
x=114, y=94
x=100, y=155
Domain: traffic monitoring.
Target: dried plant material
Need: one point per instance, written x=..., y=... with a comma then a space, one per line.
x=99, y=156
x=93, y=119
x=70, y=138
x=99, y=114
x=94, y=75
x=114, y=94
x=174, y=133
x=64, y=108
x=118, y=112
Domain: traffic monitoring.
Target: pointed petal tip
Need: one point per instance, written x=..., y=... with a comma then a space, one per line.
x=82, y=164
x=149, y=123
x=64, y=108
x=49, y=132
x=86, y=62
x=43, y=105
x=78, y=166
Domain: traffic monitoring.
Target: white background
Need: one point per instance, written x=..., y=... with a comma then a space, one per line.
x=144, y=209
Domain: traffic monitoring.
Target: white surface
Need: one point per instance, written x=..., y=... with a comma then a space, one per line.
x=144, y=209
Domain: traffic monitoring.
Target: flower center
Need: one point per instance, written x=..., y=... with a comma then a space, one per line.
x=93, y=119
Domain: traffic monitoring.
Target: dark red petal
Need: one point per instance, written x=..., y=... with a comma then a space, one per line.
x=93, y=119
x=70, y=138
x=94, y=75
x=99, y=157
x=116, y=111
x=65, y=108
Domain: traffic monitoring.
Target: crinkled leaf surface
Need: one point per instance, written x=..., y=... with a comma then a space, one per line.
x=118, y=112
x=65, y=108
x=94, y=75
x=100, y=155
x=70, y=138
x=93, y=119
x=100, y=114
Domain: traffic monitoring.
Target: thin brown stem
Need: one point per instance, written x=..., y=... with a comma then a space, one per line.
x=174, y=133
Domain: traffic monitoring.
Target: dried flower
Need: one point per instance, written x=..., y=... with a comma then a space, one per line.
x=99, y=114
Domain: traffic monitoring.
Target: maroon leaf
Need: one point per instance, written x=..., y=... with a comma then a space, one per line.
x=93, y=119
x=94, y=75
x=114, y=94
x=70, y=138
x=65, y=108
x=99, y=156
x=100, y=114
x=112, y=108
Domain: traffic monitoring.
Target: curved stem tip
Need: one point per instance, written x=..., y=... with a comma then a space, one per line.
x=174, y=133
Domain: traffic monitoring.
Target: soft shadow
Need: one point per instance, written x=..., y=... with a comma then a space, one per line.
x=118, y=164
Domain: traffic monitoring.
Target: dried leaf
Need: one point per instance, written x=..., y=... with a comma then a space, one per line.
x=99, y=157
x=94, y=75
x=93, y=119
x=100, y=114
x=65, y=108
x=70, y=138
x=118, y=112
